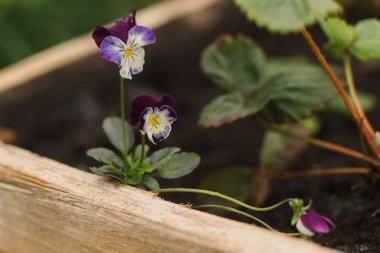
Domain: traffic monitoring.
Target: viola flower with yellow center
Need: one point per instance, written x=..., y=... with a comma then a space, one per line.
x=123, y=44
x=155, y=117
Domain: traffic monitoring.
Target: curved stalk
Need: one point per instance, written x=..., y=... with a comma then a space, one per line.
x=322, y=144
x=316, y=172
x=354, y=94
x=233, y=210
x=340, y=89
x=225, y=197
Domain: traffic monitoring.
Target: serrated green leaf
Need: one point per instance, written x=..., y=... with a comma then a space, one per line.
x=285, y=16
x=367, y=43
x=295, y=93
x=233, y=63
x=235, y=182
x=179, y=165
x=112, y=126
x=337, y=107
x=102, y=155
x=230, y=107
x=151, y=182
x=338, y=32
x=158, y=156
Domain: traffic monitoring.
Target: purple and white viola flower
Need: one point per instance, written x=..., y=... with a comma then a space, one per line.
x=123, y=44
x=312, y=222
x=155, y=117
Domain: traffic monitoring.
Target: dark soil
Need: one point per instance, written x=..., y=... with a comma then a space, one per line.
x=59, y=116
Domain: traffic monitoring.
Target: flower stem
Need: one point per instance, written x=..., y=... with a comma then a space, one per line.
x=354, y=94
x=122, y=112
x=142, y=148
x=233, y=210
x=316, y=172
x=225, y=197
x=322, y=144
x=342, y=92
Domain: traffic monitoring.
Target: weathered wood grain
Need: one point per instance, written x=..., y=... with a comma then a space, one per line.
x=46, y=206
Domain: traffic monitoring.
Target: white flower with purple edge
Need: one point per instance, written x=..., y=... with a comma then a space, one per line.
x=311, y=222
x=155, y=117
x=128, y=56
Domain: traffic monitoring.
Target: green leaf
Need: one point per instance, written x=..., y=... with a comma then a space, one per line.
x=284, y=16
x=377, y=140
x=145, y=167
x=179, y=165
x=138, y=150
x=295, y=93
x=160, y=155
x=340, y=34
x=337, y=107
x=234, y=182
x=102, y=155
x=151, y=182
x=367, y=43
x=233, y=63
x=278, y=150
x=107, y=170
x=112, y=126
x=230, y=107
x=133, y=177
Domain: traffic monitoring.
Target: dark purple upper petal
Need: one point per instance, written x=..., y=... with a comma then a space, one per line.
x=140, y=103
x=120, y=29
x=317, y=223
x=99, y=34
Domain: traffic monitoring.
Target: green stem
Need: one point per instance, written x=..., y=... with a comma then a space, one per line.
x=233, y=210
x=321, y=143
x=354, y=94
x=142, y=148
x=225, y=197
x=122, y=112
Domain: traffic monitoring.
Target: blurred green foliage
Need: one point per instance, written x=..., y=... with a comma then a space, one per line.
x=28, y=26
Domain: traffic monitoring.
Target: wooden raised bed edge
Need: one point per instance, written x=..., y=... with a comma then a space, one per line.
x=46, y=206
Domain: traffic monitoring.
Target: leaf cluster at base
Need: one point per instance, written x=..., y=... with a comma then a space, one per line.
x=130, y=168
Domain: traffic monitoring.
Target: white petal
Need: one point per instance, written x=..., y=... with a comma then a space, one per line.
x=137, y=60
x=302, y=229
x=125, y=70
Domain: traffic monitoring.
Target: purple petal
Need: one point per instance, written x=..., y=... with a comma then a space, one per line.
x=99, y=34
x=170, y=114
x=139, y=104
x=140, y=36
x=166, y=100
x=144, y=115
x=316, y=222
x=122, y=27
x=112, y=49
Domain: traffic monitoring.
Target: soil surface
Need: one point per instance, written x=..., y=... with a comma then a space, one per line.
x=60, y=114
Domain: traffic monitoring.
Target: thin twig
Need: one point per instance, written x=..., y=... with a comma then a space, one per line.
x=340, y=89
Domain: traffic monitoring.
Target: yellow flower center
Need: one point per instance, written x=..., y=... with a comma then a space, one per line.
x=153, y=122
x=128, y=52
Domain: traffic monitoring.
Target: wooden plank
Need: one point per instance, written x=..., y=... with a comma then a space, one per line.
x=83, y=46
x=46, y=206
